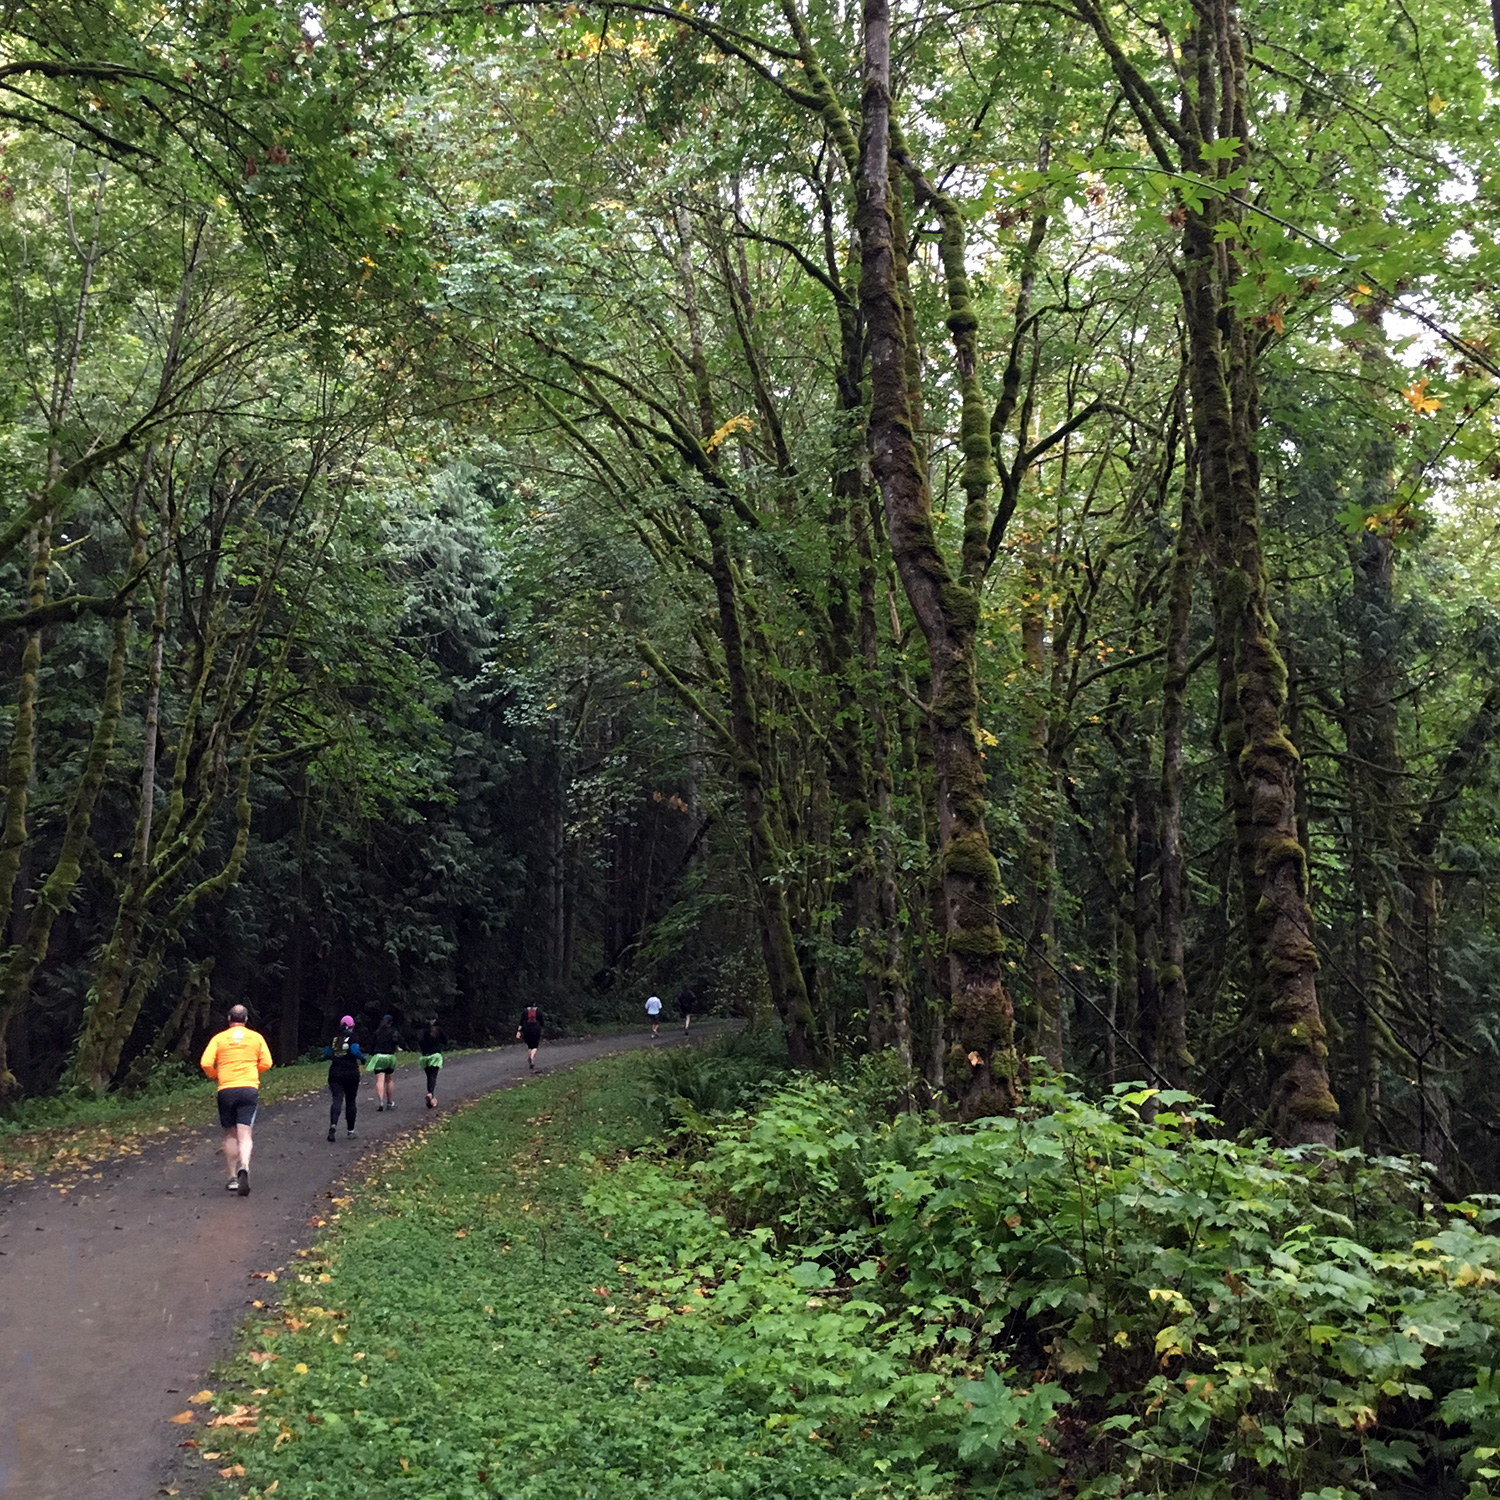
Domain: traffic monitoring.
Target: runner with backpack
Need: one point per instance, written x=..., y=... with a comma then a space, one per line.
x=345, y=1061
x=531, y=1030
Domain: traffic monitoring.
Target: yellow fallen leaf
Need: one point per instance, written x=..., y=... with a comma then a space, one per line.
x=460, y=1234
x=301, y=1368
x=234, y=1471
x=202, y=1398
x=183, y=1417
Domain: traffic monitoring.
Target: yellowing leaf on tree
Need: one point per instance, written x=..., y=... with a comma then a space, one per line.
x=1437, y=104
x=732, y=426
x=1419, y=400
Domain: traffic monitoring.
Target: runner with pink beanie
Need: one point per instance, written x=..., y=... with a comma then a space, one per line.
x=345, y=1061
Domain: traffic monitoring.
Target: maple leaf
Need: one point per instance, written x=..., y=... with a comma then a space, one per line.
x=1419, y=400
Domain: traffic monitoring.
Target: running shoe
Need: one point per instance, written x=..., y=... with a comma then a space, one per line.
x=352, y=1132
x=431, y=1104
x=233, y=1184
x=242, y=1177
x=333, y=1132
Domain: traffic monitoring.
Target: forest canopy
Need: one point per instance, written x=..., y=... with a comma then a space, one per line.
x=970, y=528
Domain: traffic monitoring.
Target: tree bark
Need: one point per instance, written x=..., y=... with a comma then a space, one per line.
x=1262, y=761
x=982, y=1067
x=1173, y=1057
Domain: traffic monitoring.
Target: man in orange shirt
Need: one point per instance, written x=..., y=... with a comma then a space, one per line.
x=236, y=1058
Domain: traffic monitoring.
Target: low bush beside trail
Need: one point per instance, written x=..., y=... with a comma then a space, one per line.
x=819, y=1295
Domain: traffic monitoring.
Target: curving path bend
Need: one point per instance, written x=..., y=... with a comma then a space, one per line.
x=116, y=1299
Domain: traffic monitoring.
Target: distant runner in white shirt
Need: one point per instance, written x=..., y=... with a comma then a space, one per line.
x=653, y=1009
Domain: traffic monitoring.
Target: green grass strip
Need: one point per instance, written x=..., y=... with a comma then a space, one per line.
x=464, y=1331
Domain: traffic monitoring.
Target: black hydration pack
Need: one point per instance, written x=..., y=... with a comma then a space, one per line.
x=340, y=1046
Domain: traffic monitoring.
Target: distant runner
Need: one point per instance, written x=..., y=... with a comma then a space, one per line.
x=686, y=1000
x=236, y=1058
x=531, y=1030
x=343, y=1076
x=653, y=1009
x=383, y=1063
x=430, y=1043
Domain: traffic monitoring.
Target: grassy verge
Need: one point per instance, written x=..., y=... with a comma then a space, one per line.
x=82, y=1134
x=465, y=1330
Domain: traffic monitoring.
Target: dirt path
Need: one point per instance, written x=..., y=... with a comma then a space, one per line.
x=116, y=1299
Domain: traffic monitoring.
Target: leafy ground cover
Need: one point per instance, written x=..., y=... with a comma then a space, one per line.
x=469, y=1329
x=591, y=1286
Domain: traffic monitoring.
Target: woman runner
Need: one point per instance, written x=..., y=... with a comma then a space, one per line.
x=343, y=1076
x=383, y=1063
x=531, y=1029
x=430, y=1043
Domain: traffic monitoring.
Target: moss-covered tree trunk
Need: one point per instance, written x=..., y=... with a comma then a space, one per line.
x=1222, y=356
x=1043, y=1015
x=1173, y=1057
x=982, y=1071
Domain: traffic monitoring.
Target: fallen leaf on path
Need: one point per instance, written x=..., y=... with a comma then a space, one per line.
x=183, y=1417
x=234, y=1471
x=201, y=1399
x=263, y=1276
x=188, y=1443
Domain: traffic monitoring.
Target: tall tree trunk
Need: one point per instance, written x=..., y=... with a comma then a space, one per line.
x=983, y=1073
x=1262, y=761
x=1173, y=1057
x=1043, y=1020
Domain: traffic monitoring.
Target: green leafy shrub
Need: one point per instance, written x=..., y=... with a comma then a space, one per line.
x=1084, y=1300
x=682, y=1085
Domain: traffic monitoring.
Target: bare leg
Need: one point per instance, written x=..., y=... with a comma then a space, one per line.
x=246, y=1145
x=232, y=1148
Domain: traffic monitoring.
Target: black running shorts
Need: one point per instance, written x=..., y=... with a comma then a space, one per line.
x=237, y=1107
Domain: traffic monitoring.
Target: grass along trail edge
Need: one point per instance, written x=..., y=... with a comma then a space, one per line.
x=467, y=1329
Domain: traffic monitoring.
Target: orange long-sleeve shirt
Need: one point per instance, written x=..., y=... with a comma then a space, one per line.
x=236, y=1058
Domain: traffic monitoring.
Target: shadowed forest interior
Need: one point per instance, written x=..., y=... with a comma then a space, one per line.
x=970, y=530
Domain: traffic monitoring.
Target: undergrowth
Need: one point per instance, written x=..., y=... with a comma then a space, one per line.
x=468, y=1331
x=821, y=1296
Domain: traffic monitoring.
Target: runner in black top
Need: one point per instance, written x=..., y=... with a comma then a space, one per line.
x=686, y=1001
x=343, y=1075
x=430, y=1043
x=386, y=1045
x=530, y=1030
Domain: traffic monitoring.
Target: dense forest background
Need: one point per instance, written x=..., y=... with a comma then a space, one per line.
x=971, y=529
